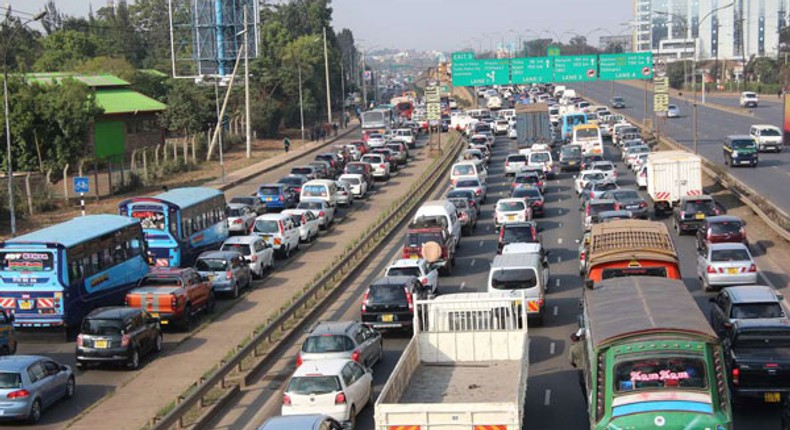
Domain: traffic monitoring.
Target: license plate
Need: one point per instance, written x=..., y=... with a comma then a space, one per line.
x=571, y=163
x=700, y=216
x=388, y=318
x=26, y=305
x=164, y=322
x=414, y=257
x=511, y=217
x=773, y=397
x=268, y=199
x=101, y=344
x=732, y=270
x=266, y=237
x=155, y=315
x=211, y=277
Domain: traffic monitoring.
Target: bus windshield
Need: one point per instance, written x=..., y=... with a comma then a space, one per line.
x=27, y=261
x=150, y=219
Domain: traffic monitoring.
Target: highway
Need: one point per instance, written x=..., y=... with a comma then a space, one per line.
x=554, y=399
x=768, y=178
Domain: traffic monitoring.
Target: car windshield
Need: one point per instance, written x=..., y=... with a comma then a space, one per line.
x=638, y=150
x=404, y=271
x=510, y=206
x=313, y=385
x=372, y=158
x=526, y=192
x=310, y=205
x=235, y=212
x=770, y=132
x=658, y=373
x=241, y=248
x=516, y=158
x=102, y=327
x=418, y=238
x=10, y=380
x=302, y=171
x=27, y=261
x=626, y=195
x=355, y=168
x=514, y=279
x=291, y=180
x=467, y=183
x=539, y=157
x=519, y=234
x=150, y=219
x=314, y=191
x=160, y=281
x=743, y=144
x=243, y=200
x=727, y=255
x=459, y=203
x=587, y=133
x=267, y=226
x=597, y=176
x=604, y=186
x=756, y=310
x=617, y=100
x=725, y=227
x=463, y=170
x=350, y=180
x=327, y=343
x=694, y=206
x=605, y=167
x=211, y=265
x=571, y=151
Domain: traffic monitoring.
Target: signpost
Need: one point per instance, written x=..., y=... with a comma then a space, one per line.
x=576, y=68
x=81, y=186
x=433, y=101
x=532, y=70
x=626, y=66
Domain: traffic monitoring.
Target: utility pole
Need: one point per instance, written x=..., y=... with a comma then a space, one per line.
x=364, y=84
x=326, y=69
x=247, y=126
x=694, y=125
x=219, y=130
x=301, y=107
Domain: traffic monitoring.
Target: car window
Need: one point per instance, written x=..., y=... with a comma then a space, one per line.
x=726, y=255
x=698, y=206
x=327, y=343
x=514, y=279
x=211, y=265
x=313, y=385
x=10, y=380
x=404, y=271
x=241, y=248
x=386, y=293
x=36, y=372
x=671, y=373
x=101, y=327
x=51, y=368
x=756, y=310
x=510, y=206
x=359, y=335
x=357, y=370
x=348, y=375
x=725, y=227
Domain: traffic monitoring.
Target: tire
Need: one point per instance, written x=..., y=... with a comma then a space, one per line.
x=211, y=303
x=352, y=418
x=35, y=412
x=134, y=360
x=186, y=319
x=159, y=342
x=71, y=388
x=80, y=365
x=5, y=350
x=235, y=292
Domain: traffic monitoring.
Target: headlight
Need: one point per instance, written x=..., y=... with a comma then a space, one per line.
x=734, y=153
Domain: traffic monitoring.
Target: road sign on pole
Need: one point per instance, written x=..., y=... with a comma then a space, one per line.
x=637, y=65
x=576, y=68
x=469, y=72
x=81, y=185
x=532, y=70
x=553, y=51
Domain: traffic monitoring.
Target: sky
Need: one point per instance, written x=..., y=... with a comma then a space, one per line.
x=446, y=25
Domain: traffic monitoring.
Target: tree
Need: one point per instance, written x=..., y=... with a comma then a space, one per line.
x=64, y=49
x=114, y=66
x=191, y=108
x=676, y=72
x=25, y=47
x=763, y=69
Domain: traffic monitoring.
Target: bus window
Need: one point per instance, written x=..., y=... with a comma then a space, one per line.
x=150, y=219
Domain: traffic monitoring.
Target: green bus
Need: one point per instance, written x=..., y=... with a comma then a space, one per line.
x=648, y=358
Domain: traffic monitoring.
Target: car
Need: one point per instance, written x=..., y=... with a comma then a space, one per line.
x=311, y=172
x=388, y=302
x=277, y=196
x=302, y=422
x=472, y=183
x=725, y=264
x=673, y=111
x=570, y=157
x=336, y=164
x=361, y=168
x=379, y=165
x=626, y=144
x=630, y=200
x=617, y=102
x=720, y=229
x=586, y=176
x=258, y=254
x=593, y=208
x=607, y=167
x=345, y=197
x=606, y=216
x=32, y=383
x=511, y=210
x=389, y=157
x=641, y=177
x=417, y=267
x=527, y=178
x=341, y=339
x=306, y=222
x=467, y=214
x=474, y=200
x=596, y=189
x=357, y=184
x=321, y=209
x=634, y=151
x=589, y=159
x=295, y=182
x=279, y=231
x=749, y=99
x=338, y=387
x=323, y=167
x=639, y=161
x=512, y=134
x=253, y=202
x=501, y=126
x=691, y=211
x=767, y=137
x=584, y=250
x=514, y=163
x=228, y=271
x=405, y=135
x=533, y=196
x=240, y=218
x=733, y=304
x=375, y=140
x=740, y=150
x=399, y=156
x=522, y=232
x=117, y=335
x=353, y=151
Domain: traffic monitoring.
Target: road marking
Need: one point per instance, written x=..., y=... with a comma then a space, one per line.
x=559, y=199
x=463, y=284
x=557, y=282
x=559, y=241
x=472, y=263
x=481, y=244
x=559, y=259
x=547, y=398
x=560, y=225
x=551, y=348
x=556, y=310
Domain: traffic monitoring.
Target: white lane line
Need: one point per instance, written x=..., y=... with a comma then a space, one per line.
x=547, y=398
x=481, y=243
x=559, y=259
x=559, y=199
x=551, y=348
x=557, y=282
x=560, y=225
x=556, y=310
x=472, y=263
x=559, y=241
x=463, y=284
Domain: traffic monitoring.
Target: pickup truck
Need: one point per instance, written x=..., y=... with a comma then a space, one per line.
x=465, y=368
x=757, y=356
x=431, y=243
x=173, y=295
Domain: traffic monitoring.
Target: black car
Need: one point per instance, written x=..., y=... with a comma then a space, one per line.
x=570, y=157
x=522, y=232
x=690, y=212
x=629, y=200
x=617, y=103
x=732, y=304
x=389, y=302
x=118, y=335
x=294, y=183
x=334, y=161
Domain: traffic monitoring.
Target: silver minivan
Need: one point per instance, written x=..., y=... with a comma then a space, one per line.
x=521, y=272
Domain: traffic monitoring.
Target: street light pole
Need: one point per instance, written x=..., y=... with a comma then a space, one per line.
x=326, y=69
x=247, y=127
x=301, y=107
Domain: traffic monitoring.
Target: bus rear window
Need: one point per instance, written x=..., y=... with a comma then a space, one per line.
x=150, y=219
x=660, y=373
x=27, y=261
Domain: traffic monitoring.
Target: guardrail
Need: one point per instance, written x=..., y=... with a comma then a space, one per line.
x=743, y=192
x=300, y=309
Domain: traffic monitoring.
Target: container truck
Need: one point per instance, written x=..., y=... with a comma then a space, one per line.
x=464, y=368
x=532, y=124
x=672, y=175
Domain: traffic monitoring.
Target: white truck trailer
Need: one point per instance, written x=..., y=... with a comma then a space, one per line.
x=465, y=368
x=672, y=175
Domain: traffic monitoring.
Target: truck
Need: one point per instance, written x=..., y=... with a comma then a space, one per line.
x=631, y=247
x=532, y=124
x=757, y=358
x=174, y=295
x=648, y=358
x=672, y=175
x=432, y=243
x=465, y=367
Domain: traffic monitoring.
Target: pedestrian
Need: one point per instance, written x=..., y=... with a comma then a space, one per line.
x=287, y=144
x=779, y=94
x=334, y=128
x=323, y=134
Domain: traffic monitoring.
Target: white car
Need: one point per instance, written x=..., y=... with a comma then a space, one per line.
x=405, y=135
x=638, y=161
x=586, y=176
x=258, y=254
x=376, y=140
x=344, y=196
x=511, y=210
x=633, y=152
x=240, y=218
x=418, y=268
x=501, y=126
x=338, y=387
x=514, y=163
x=673, y=111
x=308, y=223
x=512, y=133
x=641, y=177
x=321, y=209
x=359, y=187
x=749, y=99
x=279, y=231
x=381, y=168
x=767, y=136
x=607, y=167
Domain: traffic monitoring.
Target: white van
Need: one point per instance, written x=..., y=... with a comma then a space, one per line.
x=405, y=135
x=446, y=210
x=521, y=273
x=767, y=136
x=279, y=231
x=542, y=159
x=323, y=189
x=468, y=168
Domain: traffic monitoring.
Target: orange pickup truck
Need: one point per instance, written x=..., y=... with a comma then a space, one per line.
x=173, y=295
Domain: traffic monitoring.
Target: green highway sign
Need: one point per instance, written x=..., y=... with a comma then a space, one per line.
x=626, y=66
x=576, y=68
x=553, y=51
x=497, y=71
x=469, y=72
x=532, y=70
x=461, y=56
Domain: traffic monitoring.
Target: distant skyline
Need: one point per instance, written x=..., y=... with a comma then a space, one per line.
x=446, y=25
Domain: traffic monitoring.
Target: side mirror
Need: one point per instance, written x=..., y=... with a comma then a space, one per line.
x=589, y=284
x=778, y=296
x=581, y=209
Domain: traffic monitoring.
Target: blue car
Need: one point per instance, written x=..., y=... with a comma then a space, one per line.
x=29, y=384
x=277, y=196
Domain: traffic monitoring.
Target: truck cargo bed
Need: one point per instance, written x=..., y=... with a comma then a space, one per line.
x=467, y=382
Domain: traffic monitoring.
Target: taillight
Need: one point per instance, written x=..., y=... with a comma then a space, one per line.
x=174, y=302
x=355, y=356
x=538, y=202
x=80, y=341
x=238, y=221
x=321, y=214
x=365, y=302
x=592, y=195
x=752, y=268
x=286, y=400
x=382, y=166
x=340, y=398
x=582, y=256
x=743, y=234
x=736, y=376
x=424, y=281
x=299, y=360
x=587, y=210
x=277, y=241
x=409, y=299
x=452, y=182
x=125, y=340
x=642, y=204
x=254, y=258
x=478, y=191
x=282, y=198
x=682, y=214
x=507, y=163
x=18, y=394
x=228, y=275
x=710, y=269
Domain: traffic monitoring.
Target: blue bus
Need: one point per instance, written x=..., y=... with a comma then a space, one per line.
x=53, y=277
x=570, y=120
x=180, y=224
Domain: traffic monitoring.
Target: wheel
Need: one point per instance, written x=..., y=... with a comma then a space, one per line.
x=211, y=303
x=71, y=387
x=352, y=418
x=235, y=291
x=186, y=319
x=159, y=342
x=134, y=360
x=287, y=252
x=80, y=365
x=35, y=412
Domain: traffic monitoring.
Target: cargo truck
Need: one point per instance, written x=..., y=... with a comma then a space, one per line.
x=532, y=124
x=465, y=367
x=672, y=175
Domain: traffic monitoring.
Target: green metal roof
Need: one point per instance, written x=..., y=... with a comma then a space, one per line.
x=126, y=101
x=93, y=81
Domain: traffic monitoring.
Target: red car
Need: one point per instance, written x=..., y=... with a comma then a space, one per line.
x=721, y=229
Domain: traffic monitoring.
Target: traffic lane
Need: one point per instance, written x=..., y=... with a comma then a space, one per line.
x=769, y=110
x=713, y=125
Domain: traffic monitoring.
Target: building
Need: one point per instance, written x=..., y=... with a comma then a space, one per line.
x=622, y=43
x=672, y=29
x=130, y=119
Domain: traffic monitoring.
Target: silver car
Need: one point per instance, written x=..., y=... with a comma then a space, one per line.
x=342, y=339
x=240, y=218
x=29, y=384
x=302, y=422
x=723, y=264
x=344, y=196
x=321, y=209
